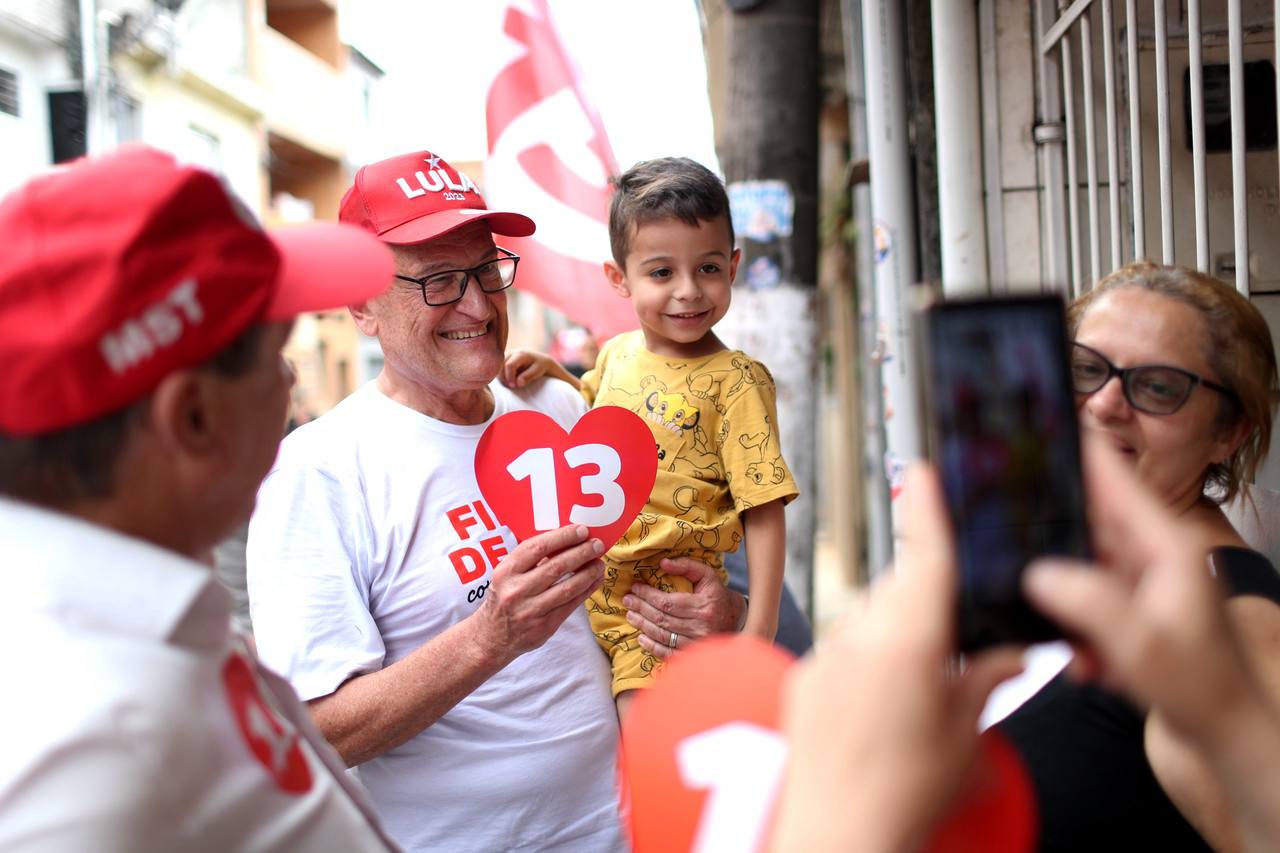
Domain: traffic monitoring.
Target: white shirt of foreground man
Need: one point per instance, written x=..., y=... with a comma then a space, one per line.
x=142, y=315
x=158, y=759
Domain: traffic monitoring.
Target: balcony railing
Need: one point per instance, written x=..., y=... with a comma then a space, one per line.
x=307, y=99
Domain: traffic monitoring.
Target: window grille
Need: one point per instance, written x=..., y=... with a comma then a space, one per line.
x=8, y=92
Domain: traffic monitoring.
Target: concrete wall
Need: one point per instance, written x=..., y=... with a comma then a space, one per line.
x=1015, y=106
x=315, y=29
x=308, y=99
x=44, y=18
x=177, y=117
x=31, y=47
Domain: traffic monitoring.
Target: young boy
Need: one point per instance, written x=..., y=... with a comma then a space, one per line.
x=712, y=410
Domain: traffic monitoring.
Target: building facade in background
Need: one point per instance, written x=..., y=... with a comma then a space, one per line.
x=38, y=58
x=263, y=92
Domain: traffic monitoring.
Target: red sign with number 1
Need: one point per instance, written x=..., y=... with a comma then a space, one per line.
x=703, y=758
x=537, y=477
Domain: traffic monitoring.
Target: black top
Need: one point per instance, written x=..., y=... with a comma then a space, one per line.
x=1083, y=747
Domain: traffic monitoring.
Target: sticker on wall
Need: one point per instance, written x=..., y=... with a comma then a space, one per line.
x=763, y=273
x=895, y=471
x=881, y=354
x=762, y=210
x=882, y=239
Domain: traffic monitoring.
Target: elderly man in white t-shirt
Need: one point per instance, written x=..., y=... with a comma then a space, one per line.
x=142, y=397
x=468, y=689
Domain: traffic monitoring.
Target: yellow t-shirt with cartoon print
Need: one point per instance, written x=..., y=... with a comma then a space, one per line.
x=714, y=421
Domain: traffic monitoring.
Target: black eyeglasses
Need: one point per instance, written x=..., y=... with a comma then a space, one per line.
x=445, y=288
x=1156, y=389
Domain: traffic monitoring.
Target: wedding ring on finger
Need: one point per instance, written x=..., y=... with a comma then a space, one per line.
x=674, y=639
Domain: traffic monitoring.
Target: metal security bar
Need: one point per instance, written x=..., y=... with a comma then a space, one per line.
x=1238, y=190
x=1197, y=135
x=1085, y=33
x=1162, y=124
x=1135, y=133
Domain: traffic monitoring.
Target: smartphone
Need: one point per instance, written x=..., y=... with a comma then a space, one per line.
x=1004, y=435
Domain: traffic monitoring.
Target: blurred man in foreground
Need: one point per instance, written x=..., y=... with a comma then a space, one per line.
x=142, y=397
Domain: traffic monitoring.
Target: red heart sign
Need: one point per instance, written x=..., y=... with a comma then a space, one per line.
x=701, y=755
x=997, y=809
x=702, y=758
x=536, y=477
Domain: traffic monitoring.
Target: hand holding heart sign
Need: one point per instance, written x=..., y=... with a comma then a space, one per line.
x=536, y=477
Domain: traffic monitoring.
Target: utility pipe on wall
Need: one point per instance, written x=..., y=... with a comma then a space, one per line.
x=1239, y=183
x=879, y=525
x=91, y=76
x=1050, y=136
x=958, y=109
x=893, y=221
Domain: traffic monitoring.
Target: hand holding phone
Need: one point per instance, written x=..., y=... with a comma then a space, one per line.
x=1004, y=435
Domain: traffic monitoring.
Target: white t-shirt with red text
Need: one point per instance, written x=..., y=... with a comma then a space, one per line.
x=370, y=537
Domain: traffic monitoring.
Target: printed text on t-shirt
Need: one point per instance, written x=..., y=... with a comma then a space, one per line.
x=473, y=561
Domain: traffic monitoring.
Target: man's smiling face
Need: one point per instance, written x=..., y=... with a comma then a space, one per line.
x=448, y=350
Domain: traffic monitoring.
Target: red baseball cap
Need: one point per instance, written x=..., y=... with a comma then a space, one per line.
x=415, y=197
x=118, y=270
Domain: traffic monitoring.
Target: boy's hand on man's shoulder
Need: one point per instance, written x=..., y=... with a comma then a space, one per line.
x=524, y=366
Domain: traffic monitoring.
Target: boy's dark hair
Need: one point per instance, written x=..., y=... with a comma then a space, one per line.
x=665, y=188
x=79, y=462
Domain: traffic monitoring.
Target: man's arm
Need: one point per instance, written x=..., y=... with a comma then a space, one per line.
x=526, y=603
x=712, y=608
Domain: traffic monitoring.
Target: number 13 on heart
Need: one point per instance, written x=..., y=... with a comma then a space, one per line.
x=538, y=466
x=598, y=474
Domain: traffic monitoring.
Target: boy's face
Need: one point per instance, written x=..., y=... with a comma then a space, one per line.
x=677, y=277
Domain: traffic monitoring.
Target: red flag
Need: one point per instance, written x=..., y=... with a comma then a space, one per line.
x=549, y=157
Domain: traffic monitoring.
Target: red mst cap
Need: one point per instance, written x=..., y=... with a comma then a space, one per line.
x=119, y=270
x=415, y=197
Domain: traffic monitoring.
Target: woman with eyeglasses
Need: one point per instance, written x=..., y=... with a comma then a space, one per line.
x=1176, y=370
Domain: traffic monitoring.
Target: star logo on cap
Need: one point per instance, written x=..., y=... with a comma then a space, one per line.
x=432, y=162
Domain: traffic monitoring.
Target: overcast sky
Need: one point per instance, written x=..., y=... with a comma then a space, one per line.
x=641, y=61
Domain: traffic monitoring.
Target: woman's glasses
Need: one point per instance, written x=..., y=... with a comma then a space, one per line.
x=1156, y=389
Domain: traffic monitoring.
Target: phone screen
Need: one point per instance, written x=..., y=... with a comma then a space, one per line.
x=1005, y=438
